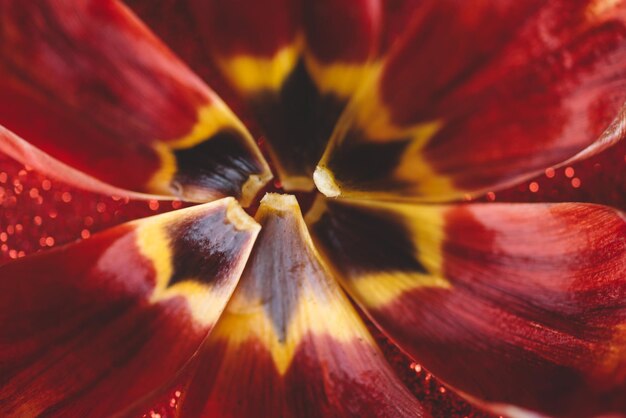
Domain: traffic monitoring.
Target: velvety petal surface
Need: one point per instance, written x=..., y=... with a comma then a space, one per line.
x=176, y=24
x=20, y=150
x=90, y=328
x=396, y=19
x=295, y=63
x=89, y=84
x=517, y=306
x=289, y=343
x=478, y=95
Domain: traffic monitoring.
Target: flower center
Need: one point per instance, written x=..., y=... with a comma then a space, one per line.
x=305, y=198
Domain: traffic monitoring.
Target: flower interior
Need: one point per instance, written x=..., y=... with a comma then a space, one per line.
x=358, y=136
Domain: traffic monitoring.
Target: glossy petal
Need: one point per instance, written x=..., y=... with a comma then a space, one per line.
x=88, y=84
x=295, y=63
x=395, y=22
x=92, y=327
x=180, y=28
x=289, y=343
x=518, y=306
x=340, y=36
x=476, y=98
x=20, y=150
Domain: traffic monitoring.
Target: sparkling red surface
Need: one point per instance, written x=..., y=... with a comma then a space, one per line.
x=37, y=213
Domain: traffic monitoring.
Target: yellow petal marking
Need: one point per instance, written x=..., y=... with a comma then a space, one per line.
x=425, y=225
x=212, y=119
x=370, y=114
x=251, y=74
x=340, y=79
x=322, y=307
x=377, y=290
x=247, y=320
x=370, y=117
x=154, y=243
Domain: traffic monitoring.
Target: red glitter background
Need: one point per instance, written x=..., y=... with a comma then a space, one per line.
x=37, y=213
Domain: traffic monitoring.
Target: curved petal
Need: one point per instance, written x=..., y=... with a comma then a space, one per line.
x=598, y=179
x=478, y=98
x=396, y=18
x=519, y=306
x=295, y=63
x=340, y=36
x=176, y=24
x=348, y=32
x=88, y=84
x=289, y=343
x=92, y=327
x=18, y=149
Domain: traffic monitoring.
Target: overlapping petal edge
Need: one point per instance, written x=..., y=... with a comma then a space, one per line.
x=90, y=328
x=367, y=157
x=463, y=135
x=516, y=306
x=89, y=84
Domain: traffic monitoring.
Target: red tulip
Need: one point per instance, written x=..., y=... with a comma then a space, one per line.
x=381, y=119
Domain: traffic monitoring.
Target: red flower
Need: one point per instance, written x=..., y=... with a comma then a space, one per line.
x=395, y=110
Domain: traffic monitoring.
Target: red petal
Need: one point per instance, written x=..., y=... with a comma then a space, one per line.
x=598, y=179
x=471, y=100
x=20, y=150
x=341, y=32
x=396, y=18
x=90, y=328
x=87, y=83
x=176, y=24
x=297, y=77
x=289, y=343
x=519, y=305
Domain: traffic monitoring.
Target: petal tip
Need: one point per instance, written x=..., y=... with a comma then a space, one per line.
x=279, y=202
x=252, y=186
x=239, y=218
x=325, y=182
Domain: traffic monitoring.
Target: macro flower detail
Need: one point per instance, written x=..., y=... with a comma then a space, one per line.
x=115, y=297
x=289, y=325
x=379, y=120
